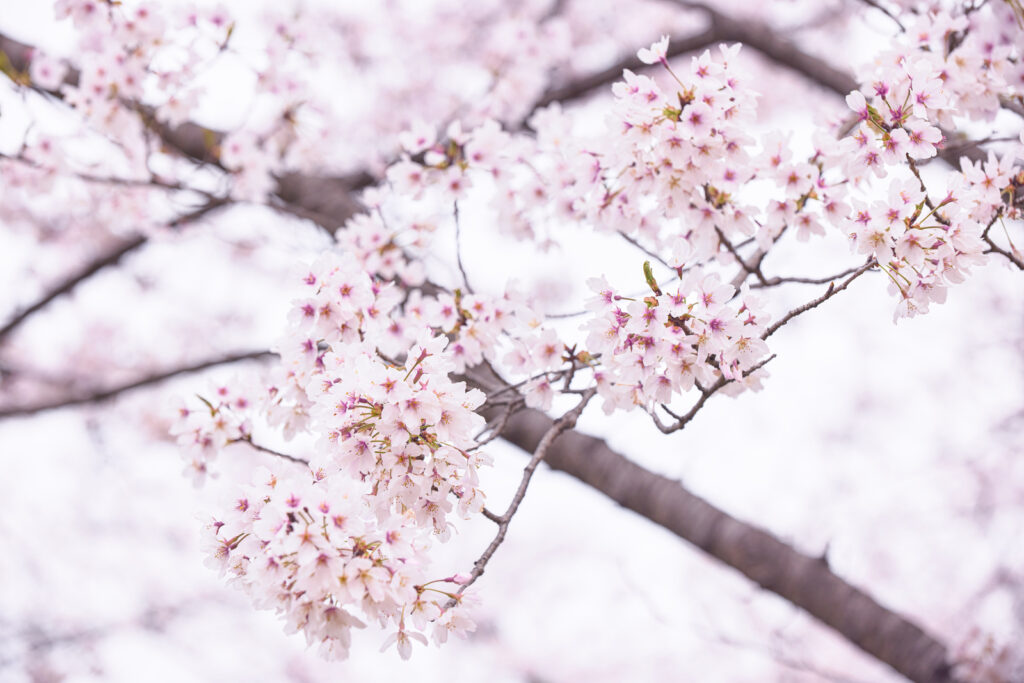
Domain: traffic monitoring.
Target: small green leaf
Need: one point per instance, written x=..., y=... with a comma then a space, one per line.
x=649, y=276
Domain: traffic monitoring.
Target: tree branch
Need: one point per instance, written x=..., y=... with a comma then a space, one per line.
x=881, y=8
x=814, y=303
x=110, y=258
x=1012, y=255
x=458, y=247
x=247, y=439
x=557, y=428
x=775, y=281
x=805, y=581
x=584, y=85
x=112, y=392
x=705, y=394
x=325, y=199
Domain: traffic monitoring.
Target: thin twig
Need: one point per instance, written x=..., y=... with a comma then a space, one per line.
x=562, y=424
x=758, y=257
x=814, y=303
x=247, y=439
x=458, y=247
x=705, y=394
x=494, y=428
x=653, y=255
x=550, y=375
x=152, y=182
x=108, y=259
x=886, y=12
x=744, y=273
x=1014, y=256
x=775, y=281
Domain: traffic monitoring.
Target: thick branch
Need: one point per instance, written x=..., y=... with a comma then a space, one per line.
x=188, y=139
x=805, y=581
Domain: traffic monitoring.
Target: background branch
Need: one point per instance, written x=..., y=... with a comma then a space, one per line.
x=100, y=395
x=110, y=258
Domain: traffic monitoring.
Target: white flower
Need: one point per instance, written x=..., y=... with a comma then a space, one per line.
x=404, y=640
x=655, y=53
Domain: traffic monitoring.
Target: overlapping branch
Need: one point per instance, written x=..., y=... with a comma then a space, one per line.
x=109, y=258
x=705, y=393
x=329, y=200
x=814, y=303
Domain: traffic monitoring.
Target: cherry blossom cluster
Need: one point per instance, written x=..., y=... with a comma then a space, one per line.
x=395, y=457
x=677, y=169
x=480, y=326
x=312, y=549
x=134, y=73
x=672, y=166
x=113, y=73
x=953, y=65
x=660, y=346
x=674, y=169
x=925, y=242
x=139, y=71
x=224, y=418
x=372, y=364
x=370, y=361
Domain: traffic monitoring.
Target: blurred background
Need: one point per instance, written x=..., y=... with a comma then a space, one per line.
x=895, y=449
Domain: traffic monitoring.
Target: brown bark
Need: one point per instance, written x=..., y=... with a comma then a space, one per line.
x=805, y=581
